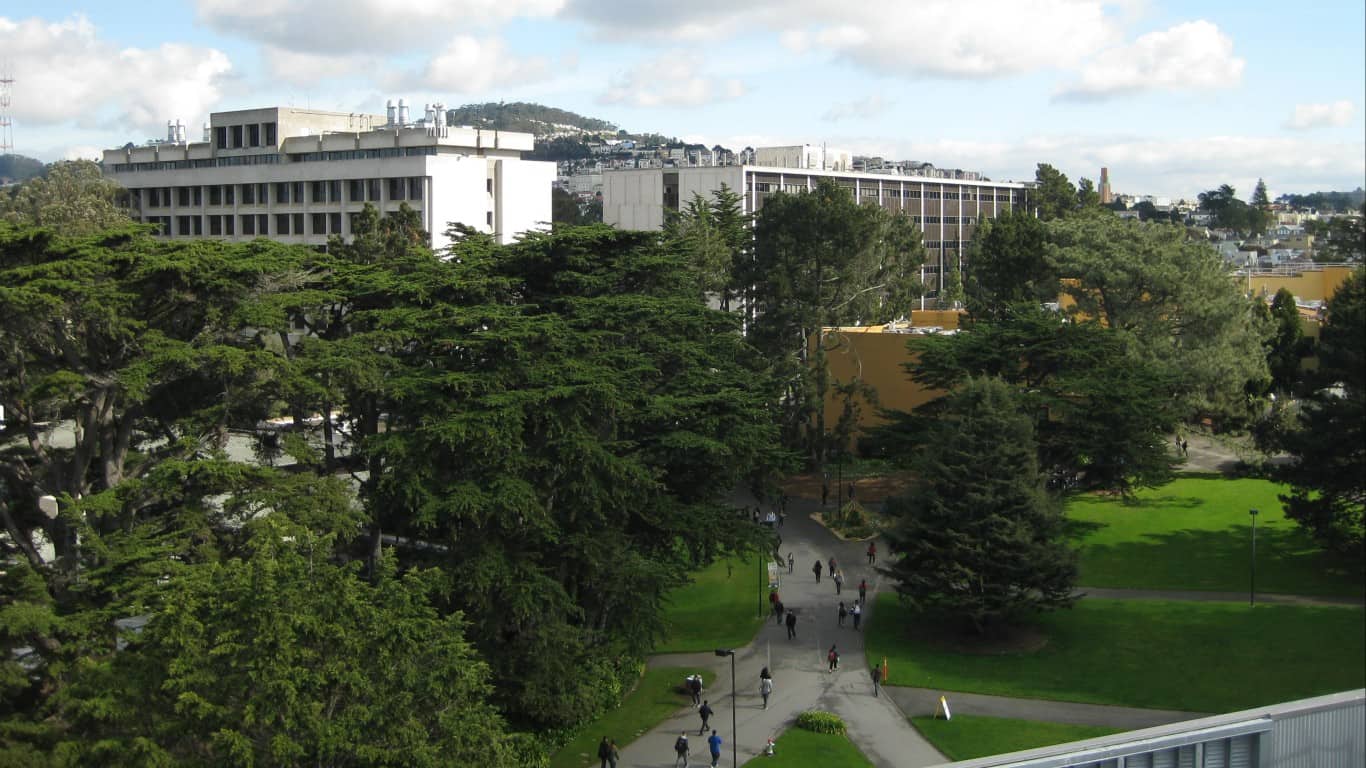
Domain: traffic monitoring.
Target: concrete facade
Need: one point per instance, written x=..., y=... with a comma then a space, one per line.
x=946, y=211
x=300, y=176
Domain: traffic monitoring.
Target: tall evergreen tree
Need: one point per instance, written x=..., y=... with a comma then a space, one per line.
x=1053, y=195
x=1328, y=472
x=1286, y=346
x=1008, y=263
x=976, y=536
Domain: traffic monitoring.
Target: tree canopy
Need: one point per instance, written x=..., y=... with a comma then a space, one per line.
x=983, y=546
x=71, y=197
x=1053, y=195
x=1008, y=263
x=1327, y=474
x=1175, y=297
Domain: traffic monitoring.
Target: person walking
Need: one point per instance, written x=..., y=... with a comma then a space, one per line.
x=863, y=591
x=838, y=577
x=681, y=751
x=790, y=562
x=816, y=569
x=857, y=611
x=872, y=553
x=834, y=658
x=605, y=752
x=695, y=688
x=877, y=678
x=791, y=625
x=706, y=712
x=834, y=566
x=765, y=688
x=778, y=612
x=715, y=743
x=843, y=613
x=774, y=601
x=615, y=754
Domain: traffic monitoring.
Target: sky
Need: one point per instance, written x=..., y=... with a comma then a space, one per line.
x=1173, y=97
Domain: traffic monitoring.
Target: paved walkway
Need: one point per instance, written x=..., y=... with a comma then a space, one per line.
x=923, y=701
x=801, y=679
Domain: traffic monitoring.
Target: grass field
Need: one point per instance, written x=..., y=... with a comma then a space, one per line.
x=654, y=699
x=1195, y=533
x=1196, y=657
x=719, y=609
x=800, y=748
x=968, y=736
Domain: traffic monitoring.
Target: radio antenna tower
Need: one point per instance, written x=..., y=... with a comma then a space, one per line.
x=6, y=125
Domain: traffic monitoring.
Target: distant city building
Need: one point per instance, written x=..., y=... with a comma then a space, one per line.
x=301, y=175
x=805, y=156
x=946, y=211
x=1105, y=197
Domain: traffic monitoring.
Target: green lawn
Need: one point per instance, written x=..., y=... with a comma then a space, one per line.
x=1196, y=657
x=1195, y=533
x=968, y=736
x=719, y=609
x=654, y=699
x=800, y=748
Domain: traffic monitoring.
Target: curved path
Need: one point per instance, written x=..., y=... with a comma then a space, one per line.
x=801, y=676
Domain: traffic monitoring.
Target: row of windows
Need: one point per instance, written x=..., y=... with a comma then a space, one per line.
x=894, y=193
x=205, y=162
x=252, y=224
x=966, y=220
x=285, y=192
x=249, y=135
x=361, y=154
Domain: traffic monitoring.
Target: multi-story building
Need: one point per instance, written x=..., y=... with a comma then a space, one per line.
x=945, y=210
x=301, y=175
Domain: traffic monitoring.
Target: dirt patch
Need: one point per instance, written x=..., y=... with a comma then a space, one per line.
x=868, y=490
x=1001, y=641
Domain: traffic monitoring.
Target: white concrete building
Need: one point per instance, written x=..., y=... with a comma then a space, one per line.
x=300, y=175
x=816, y=157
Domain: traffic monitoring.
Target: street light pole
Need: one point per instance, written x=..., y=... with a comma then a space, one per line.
x=1252, y=584
x=734, y=735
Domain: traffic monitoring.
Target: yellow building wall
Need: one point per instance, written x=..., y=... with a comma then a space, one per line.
x=877, y=358
x=1318, y=284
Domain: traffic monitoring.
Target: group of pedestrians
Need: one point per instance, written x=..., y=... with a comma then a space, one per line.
x=683, y=750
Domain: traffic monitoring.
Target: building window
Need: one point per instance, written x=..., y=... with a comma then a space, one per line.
x=220, y=137
x=215, y=225
x=318, y=191
x=489, y=217
x=373, y=189
x=281, y=192
x=183, y=197
x=334, y=223
x=215, y=195
x=396, y=191
x=415, y=187
x=262, y=224
x=298, y=223
x=249, y=225
x=229, y=225
x=355, y=190
x=227, y=194
x=334, y=192
x=489, y=184
x=182, y=225
x=235, y=133
x=270, y=134
x=281, y=223
x=319, y=223
x=253, y=135
x=198, y=195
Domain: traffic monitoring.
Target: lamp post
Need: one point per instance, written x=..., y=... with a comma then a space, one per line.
x=734, y=736
x=1252, y=583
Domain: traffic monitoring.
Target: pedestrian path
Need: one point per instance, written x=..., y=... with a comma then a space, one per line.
x=1347, y=601
x=923, y=701
x=801, y=677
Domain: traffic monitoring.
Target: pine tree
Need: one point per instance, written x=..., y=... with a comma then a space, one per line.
x=977, y=536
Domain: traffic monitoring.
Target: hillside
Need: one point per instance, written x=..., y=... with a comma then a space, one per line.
x=522, y=116
x=15, y=168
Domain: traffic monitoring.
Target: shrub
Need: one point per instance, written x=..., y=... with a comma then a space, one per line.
x=821, y=722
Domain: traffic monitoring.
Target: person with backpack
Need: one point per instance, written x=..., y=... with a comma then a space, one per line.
x=791, y=625
x=765, y=688
x=838, y=576
x=695, y=689
x=843, y=613
x=834, y=658
x=681, y=751
x=705, y=711
x=857, y=613
x=816, y=569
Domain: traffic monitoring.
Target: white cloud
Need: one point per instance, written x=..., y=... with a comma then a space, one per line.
x=671, y=80
x=904, y=39
x=83, y=152
x=469, y=64
x=301, y=68
x=1320, y=115
x=861, y=109
x=66, y=73
x=1194, y=55
x=342, y=27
